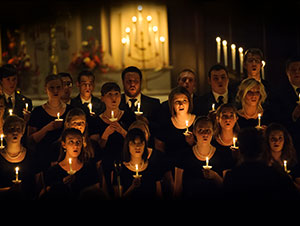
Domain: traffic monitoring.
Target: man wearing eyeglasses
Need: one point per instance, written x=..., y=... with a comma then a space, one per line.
x=67, y=87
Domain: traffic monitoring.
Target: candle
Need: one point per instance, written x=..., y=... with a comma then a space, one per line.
x=241, y=60
x=90, y=107
x=136, y=170
x=213, y=107
x=233, y=51
x=1, y=138
x=17, y=173
x=58, y=117
x=26, y=106
x=10, y=111
x=187, y=132
x=285, y=166
x=124, y=40
x=263, y=69
x=113, y=119
x=155, y=29
x=112, y=114
x=234, y=141
x=206, y=161
x=225, y=52
x=127, y=30
x=207, y=166
x=259, y=118
x=140, y=18
x=70, y=164
x=139, y=107
x=218, y=40
x=134, y=29
x=149, y=19
x=162, y=40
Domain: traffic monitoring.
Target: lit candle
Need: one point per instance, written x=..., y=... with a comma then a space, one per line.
x=140, y=17
x=10, y=111
x=233, y=51
x=187, y=132
x=134, y=29
x=225, y=52
x=241, y=54
x=58, y=117
x=259, y=119
x=17, y=173
x=139, y=107
x=206, y=161
x=234, y=141
x=90, y=107
x=127, y=30
x=299, y=99
x=70, y=164
x=113, y=119
x=213, y=107
x=112, y=114
x=155, y=29
x=136, y=170
x=207, y=166
x=149, y=19
x=285, y=166
x=1, y=139
x=124, y=40
x=218, y=40
x=162, y=40
x=263, y=69
x=26, y=106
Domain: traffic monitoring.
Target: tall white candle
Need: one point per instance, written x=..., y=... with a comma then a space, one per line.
x=225, y=52
x=90, y=107
x=149, y=19
x=263, y=69
x=17, y=173
x=136, y=170
x=134, y=29
x=127, y=30
x=26, y=106
x=155, y=29
x=233, y=55
x=259, y=118
x=1, y=138
x=241, y=60
x=124, y=40
x=218, y=40
x=162, y=40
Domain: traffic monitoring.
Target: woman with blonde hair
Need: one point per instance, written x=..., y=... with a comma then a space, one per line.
x=251, y=94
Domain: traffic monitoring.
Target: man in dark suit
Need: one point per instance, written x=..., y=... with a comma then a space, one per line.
x=132, y=81
x=220, y=93
x=285, y=101
x=14, y=100
x=86, y=85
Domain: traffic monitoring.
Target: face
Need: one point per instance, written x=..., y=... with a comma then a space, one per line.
x=72, y=145
x=204, y=133
x=86, y=86
x=54, y=89
x=67, y=87
x=253, y=65
x=136, y=147
x=112, y=99
x=132, y=84
x=9, y=84
x=252, y=96
x=180, y=103
x=227, y=119
x=77, y=122
x=14, y=133
x=188, y=81
x=276, y=140
x=293, y=73
x=219, y=81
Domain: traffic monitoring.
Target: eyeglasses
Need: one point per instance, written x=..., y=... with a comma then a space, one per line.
x=250, y=60
x=82, y=123
x=67, y=84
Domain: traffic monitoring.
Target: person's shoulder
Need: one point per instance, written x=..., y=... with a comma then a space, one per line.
x=22, y=97
x=151, y=100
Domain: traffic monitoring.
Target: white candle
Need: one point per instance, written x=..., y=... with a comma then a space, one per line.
x=225, y=52
x=285, y=165
x=1, y=138
x=90, y=105
x=139, y=107
x=218, y=40
x=149, y=19
x=112, y=114
x=207, y=161
x=70, y=164
x=58, y=115
x=241, y=60
x=259, y=118
x=136, y=170
x=26, y=106
x=234, y=141
x=140, y=18
x=10, y=111
x=263, y=69
x=213, y=107
x=134, y=29
x=233, y=53
x=127, y=30
x=17, y=173
x=155, y=29
x=124, y=40
x=162, y=40
x=186, y=133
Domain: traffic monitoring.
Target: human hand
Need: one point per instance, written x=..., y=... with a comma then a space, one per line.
x=189, y=138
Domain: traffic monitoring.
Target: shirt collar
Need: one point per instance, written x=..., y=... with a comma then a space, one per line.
x=13, y=96
x=138, y=97
x=225, y=96
x=86, y=101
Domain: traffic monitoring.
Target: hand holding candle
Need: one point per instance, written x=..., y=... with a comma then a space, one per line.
x=137, y=175
x=58, y=117
x=234, y=146
x=138, y=112
x=71, y=171
x=207, y=166
x=17, y=181
x=113, y=119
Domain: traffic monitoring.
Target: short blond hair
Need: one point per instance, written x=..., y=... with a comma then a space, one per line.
x=245, y=86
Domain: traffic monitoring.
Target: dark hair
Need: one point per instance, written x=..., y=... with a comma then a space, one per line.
x=250, y=144
x=85, y=73
x=291, y=60
x=72, y=131
x=7, y=70
x=217, y=67
x=131, y=136
x=65, y=74
x=131, y=69
x=109, y=86
x=13, y=119
x=288, y=151
x=254, y=51
x=52, y=77
x=202, y=119
x=179, y=90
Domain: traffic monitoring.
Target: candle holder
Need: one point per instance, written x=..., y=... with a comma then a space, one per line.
x=137, y=176
x=138, y=113
x=187, y=132
x=113, y=119
x=17, y=181
x=207, y=167
x=58, y=118
x=71, y=172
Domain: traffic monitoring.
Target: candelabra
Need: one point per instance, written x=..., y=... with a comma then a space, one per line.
x=53, y=57
x=142, y=44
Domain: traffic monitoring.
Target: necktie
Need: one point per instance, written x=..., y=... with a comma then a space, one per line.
x=132, y=108
x=9, y=103
x=220, y=100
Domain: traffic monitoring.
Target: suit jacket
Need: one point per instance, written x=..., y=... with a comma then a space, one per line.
x=98, y=105
x=204, y=103
x=20, y=101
